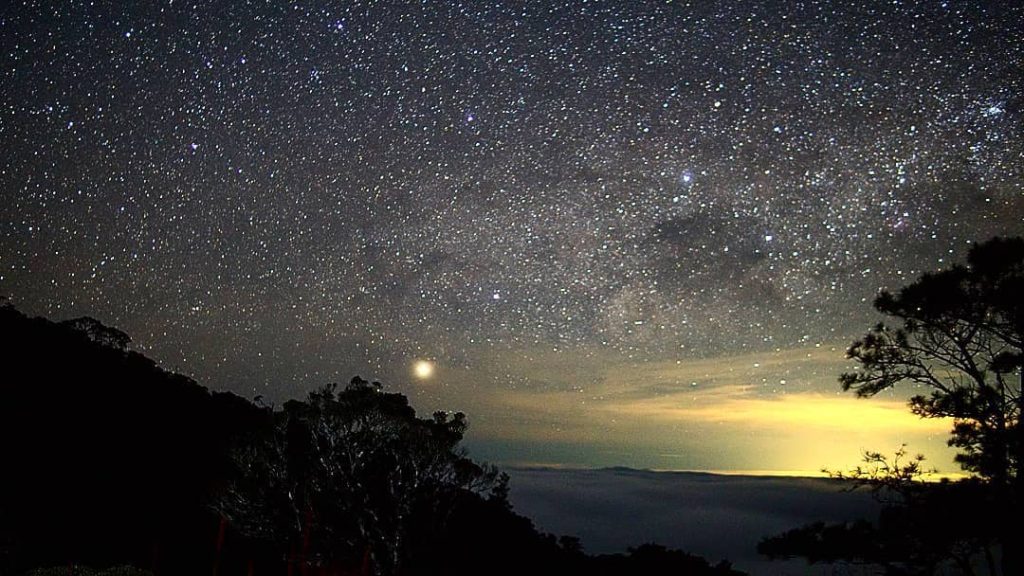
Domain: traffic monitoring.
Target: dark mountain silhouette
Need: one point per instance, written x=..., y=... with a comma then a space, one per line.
x=106, y=455
x=110, y=460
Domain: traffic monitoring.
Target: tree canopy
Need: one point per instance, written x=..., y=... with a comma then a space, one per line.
x=959, y=335
x=351, y=472
x=923, y=528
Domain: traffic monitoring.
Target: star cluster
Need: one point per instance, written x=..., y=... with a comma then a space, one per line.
x=275, y=194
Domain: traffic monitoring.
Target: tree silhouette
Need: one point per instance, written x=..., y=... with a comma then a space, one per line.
x=961, y=335
x=100, y=333
x=346, y=472
x=899, y=476
x=923, y=528
x=110, y=460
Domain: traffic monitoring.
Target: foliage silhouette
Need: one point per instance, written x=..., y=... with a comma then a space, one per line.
x=354, y=470
x=897, y=477
x=960, y=335
x=923, y=528
x=110, y=460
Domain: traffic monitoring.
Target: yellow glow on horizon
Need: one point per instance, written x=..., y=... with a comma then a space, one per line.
x=797, y=434
x=807, y=411
x=767, y=413
x=934, y=477
x=768, y=473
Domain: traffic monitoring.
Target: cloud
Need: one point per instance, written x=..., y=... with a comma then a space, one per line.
x=713, y=516
x=806, y=410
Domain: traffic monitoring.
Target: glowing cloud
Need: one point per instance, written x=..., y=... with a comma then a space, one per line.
x=778, y=412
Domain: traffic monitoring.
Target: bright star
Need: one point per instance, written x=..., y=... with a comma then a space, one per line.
x=423, y=369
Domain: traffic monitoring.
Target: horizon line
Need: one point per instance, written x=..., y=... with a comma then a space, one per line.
x=818, y=474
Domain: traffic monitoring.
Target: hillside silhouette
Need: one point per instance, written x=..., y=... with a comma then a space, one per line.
x=111, y=460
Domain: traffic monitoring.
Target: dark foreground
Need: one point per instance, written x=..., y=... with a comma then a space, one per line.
x=110, y=460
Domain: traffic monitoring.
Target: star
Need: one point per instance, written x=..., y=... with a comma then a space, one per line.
x=651, y=182
x=423, y=369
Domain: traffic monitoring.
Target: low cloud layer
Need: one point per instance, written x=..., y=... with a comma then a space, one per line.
x=718, y=517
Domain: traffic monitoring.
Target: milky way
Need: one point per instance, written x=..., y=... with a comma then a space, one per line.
x=272, y=195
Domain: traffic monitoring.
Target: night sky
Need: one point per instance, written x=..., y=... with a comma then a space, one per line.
x=628, y=232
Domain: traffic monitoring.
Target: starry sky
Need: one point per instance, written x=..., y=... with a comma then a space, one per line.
x=619, y=232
